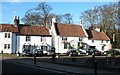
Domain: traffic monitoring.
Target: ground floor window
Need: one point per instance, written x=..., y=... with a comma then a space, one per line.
x=103, y=47
x=6, y=46
x=26, y=47
x=44, y=48
x=65, y=46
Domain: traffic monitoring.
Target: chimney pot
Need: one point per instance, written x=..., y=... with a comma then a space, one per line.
x=15, y=17
x=97, y=28
x=18, y=17
x=54, y=19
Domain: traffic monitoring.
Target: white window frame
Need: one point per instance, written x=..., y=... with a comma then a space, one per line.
x=28, y=38
x=7, y=35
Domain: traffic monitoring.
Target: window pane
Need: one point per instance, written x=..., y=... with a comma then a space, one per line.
x=43, y=39
x=28, y=38
x=64, y=38
x=65, y=46
x=92, y=41
x=5, y=46
x=106, y=41
x=8, y=46
x=101, y=41
x=80, y=39
x=5, y=35
x=8, y=35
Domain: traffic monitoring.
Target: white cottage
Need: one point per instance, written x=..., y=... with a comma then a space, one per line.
x=98, y=39
x=8, y=39
x=18, y=37
x=65, y=35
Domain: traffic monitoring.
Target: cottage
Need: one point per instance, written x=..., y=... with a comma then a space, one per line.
x=98, y=39
x=20, y=37
x=65, y=35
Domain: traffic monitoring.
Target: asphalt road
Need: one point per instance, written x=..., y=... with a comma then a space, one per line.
x=9, y=68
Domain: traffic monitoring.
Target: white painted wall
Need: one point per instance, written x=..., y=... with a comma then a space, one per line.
x=35, y=40
x=1, y=41
x=99, y=44
x=59, y=45
x=4, y=40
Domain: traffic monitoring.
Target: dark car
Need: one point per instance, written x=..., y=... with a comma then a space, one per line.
x=50, y=52
x=39, y=52
x=91, y=52
x=73, y=52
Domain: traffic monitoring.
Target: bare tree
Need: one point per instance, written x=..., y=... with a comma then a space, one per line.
x=105, y=16
x=68, y=18
x=38, y=15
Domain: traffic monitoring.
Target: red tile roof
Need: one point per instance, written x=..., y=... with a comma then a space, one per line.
x=69, y=30
x=34, y=30
x=8, y=28
x=25, y=29
x=94, y=35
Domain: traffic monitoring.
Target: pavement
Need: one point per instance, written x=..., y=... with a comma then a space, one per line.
x=63, y=68
x=66, y=65
x=82, y=62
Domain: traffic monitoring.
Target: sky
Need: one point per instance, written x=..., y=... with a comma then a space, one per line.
x=11, y=9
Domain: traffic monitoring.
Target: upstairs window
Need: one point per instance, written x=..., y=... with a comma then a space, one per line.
x=107, y=41
x=80, y=39
x=28, y=38
x=7, y=35
x=101, y=41
x=92, y=41
x=64, y=38
x=43, y=39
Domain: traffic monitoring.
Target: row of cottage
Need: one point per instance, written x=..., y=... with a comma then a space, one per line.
x=17, y=37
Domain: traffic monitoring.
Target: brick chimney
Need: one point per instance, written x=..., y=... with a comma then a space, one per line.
x=97, y=28
x=16, y=22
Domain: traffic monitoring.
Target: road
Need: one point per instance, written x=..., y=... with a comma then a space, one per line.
x=9, y=68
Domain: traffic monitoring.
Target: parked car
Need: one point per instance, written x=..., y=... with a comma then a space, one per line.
x=50, y=52
x=73, y=52
x=39, y=52
x=26, y=53
x=91, y=52
x=112, y=51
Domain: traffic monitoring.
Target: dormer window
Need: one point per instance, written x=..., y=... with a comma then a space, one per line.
x=64, y=38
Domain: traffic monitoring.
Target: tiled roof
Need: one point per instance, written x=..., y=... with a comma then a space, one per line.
x=8, y=28
x=34, y=30
x=25, y=29
x=94, y=35
x=69, y=30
